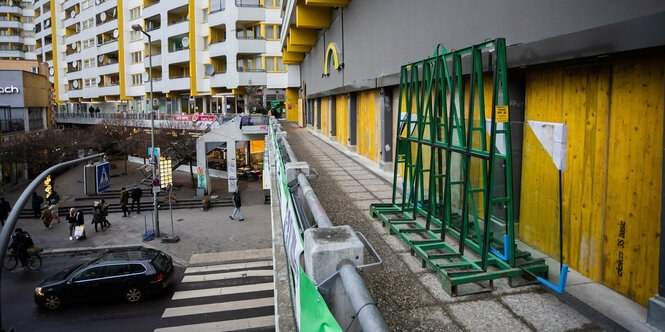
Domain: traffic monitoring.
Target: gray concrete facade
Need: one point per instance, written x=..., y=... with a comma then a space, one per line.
x=376, y=37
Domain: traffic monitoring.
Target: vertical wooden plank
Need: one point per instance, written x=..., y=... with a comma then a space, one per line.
x=325, y=116
x=539, y=200
x=634, y=178
x=342, y=119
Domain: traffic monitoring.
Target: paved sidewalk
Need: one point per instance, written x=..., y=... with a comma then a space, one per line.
x=199, y=231
x=411, y=297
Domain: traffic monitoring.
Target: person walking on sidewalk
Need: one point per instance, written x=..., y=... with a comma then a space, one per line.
x=54, y=210
x=46, y=217
x=136, y=198
x=75, y=218
x=5, y=208
x=105, y=213
x=124, y=199
x=36, y=204
x=237, y=204
x=97, y=217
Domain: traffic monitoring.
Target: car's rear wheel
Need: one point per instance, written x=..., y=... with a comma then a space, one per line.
x=52, y=302
x=133, y=295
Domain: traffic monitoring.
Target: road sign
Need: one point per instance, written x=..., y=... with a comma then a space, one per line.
x=155, y=182
x=103, y=172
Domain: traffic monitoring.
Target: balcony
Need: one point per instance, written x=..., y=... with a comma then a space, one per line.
x=109, y=24
x=252, y=78
x=11, y=39
x=177, y=28
x=177, y=84
x=157, y=85
x=178, y=56
x=4, y=9
x=11, y=54
x=11, y=24
x=108, y=46
x=251, y=46
x=248, y=12
x=109, y=68
x=156, y=61
x=217, y=49
x=109, y=90
x=220, y=80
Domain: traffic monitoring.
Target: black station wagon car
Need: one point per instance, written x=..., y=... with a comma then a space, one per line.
x=131, y=274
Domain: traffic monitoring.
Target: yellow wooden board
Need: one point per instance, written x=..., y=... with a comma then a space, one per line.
x=366, y=129
x=325, y=116
x=612, y=185
x=342, y=117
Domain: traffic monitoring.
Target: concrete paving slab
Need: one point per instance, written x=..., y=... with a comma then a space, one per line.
x=546, y=313
x=384, y=194
x=341, y=177
x=371, y=184
x=361, y=196
x=421, y=319
x=354, y=189
x=395, y=243
x=364, y=204
x=347, y=183
x=486, y=315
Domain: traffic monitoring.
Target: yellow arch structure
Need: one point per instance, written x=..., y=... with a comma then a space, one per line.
x=332, y=49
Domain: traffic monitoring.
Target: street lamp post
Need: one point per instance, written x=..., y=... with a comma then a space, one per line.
x=137, y=27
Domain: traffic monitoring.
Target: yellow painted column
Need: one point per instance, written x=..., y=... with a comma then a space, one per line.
x=121, y=49
x=56, y=77
x=192, y=47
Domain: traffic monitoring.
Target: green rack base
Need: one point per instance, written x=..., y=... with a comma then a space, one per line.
x=454, y=267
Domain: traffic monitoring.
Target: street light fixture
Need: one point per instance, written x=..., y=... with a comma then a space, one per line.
x=137, y=27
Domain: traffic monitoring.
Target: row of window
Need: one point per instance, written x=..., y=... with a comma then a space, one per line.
x=17, y=32
x=14, y=18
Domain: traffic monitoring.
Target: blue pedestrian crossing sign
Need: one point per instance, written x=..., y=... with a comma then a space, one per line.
x=103, y=172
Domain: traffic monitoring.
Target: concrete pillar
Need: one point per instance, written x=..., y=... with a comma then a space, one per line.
x=203, y=174
x=231, y=170
x=325, y=249
x=205, y=104
x=333, y=118
x=386, y=151
x=26, y=120
x=318, y=113
x=353, y=121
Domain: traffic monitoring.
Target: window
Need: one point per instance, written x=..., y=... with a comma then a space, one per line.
x=93, y=273
x=28, y=48
x=89, y=82
x=205, y=15
x=28, y=19
x=269, y=31
x=89, y=43
x=28, y=34
x=206, y=42
x=273, y=3
x=27, y=5
x=116, y=270
x=135, y=35
x=86, y=4
x=134, y=13
x=89, y=63
x=89, y=23
x=136, y=79
x=274, y=64
x=136, y=57
x=136, y=268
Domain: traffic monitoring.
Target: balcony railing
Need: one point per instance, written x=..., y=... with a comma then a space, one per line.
x=244, y=70
x=250, y=38
x=152, y=4
x=248, y=3
x=153, y=28
x=106, y=42
x=177, y=22
x=179, y=76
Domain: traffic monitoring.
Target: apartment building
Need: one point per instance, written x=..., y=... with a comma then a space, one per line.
x=203, y=53
x=17, y=35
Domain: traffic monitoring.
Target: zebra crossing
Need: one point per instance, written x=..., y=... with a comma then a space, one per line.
x=230, y=291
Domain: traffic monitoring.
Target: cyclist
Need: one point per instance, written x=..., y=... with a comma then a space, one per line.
x=21, y=241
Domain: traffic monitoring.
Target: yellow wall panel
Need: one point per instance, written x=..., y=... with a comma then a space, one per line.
x=342, y=120
x=292, y=106
x=634, y=184
x=325, y=116
x=367, y=107
x=612, y=185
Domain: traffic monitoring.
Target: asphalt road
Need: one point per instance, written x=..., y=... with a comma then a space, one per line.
x=21, y=313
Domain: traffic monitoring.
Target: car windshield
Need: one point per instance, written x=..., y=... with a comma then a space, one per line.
x=160, y=262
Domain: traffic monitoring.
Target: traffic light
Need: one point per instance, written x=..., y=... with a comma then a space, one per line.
x=48, y=187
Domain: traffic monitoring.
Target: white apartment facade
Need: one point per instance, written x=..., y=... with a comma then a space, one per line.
x=204, y=53
x=17, y=35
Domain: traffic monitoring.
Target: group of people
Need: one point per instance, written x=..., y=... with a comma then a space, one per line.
x=46, y=213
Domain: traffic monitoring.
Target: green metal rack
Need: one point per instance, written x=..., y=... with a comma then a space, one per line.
x=455, y=179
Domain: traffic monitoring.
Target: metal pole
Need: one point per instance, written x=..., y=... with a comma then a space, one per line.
x=152, y=136
x=369, y=316
x=18, y=206
x=318, y=212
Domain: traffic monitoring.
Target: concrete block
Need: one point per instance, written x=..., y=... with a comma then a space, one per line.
x=656, y=313
x=325, y=248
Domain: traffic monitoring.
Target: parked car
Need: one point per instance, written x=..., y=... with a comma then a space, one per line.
x=131, y=274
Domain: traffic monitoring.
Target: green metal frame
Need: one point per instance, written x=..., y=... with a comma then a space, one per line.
x=432, y=90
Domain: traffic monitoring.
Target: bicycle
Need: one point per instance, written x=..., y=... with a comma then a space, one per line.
x=33, y=262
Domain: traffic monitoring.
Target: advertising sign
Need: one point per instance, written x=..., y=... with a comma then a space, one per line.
x=103, y=172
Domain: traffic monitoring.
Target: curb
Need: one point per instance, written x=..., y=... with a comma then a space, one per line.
x=61, y=251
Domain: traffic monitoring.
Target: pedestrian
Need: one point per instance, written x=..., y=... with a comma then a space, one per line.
x=97, y=217
x=136, y=198
x=54, y=210
x=46, y=217
x=124, y=199
x=36, y=204
x=91, y=110
x=97, y=109
x=105, y=212
x=5, y=208
x=75, y=218
x=237, y=204
x=54, y=195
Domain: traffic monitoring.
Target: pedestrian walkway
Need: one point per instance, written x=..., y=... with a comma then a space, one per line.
x=226, y=291
x=411, y=297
